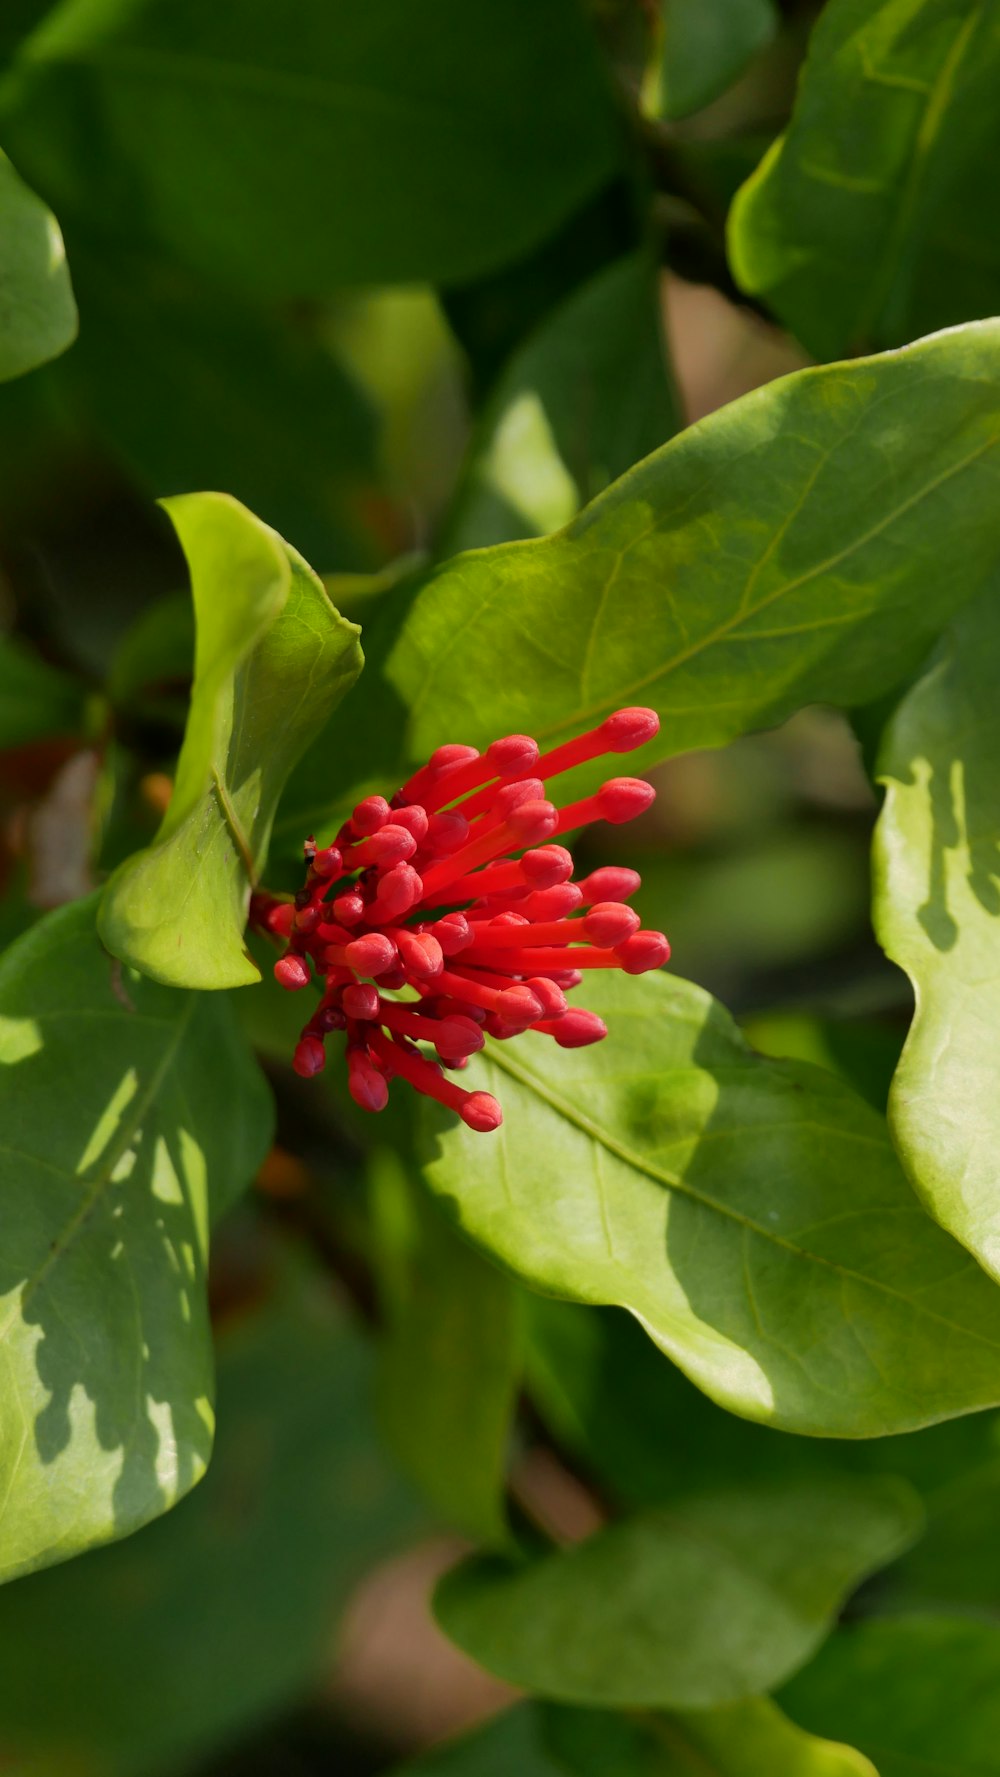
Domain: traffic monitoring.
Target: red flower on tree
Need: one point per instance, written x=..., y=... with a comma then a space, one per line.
x=457, y=890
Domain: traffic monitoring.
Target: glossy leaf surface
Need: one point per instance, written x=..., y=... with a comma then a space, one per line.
x=709, y=1601
x=751, y=1213
x=37, y=312
x=872, y=219
x=937, y=908
x=806, y=543
x=272, y=656
x=114, y=1157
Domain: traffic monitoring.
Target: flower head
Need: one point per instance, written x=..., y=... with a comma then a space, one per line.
x=459, y=891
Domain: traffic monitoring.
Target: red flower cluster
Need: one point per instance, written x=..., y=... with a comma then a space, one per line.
x=456, y=890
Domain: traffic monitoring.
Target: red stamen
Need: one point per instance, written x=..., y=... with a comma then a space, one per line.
x=643, y=951
x=454, y=1038
x=370, y=814
x=447, y=832
x=292, y=973
x=478, y=1109
x=366, y=1084
x=362, y=1000
x=512, y=757
x=525, y=825
x=370, y=955
x=515, y=1002
x=390, y=845
x=281, y=918
x=445, y=759
x=550, y=997
x=309, y=1057
x=575, y=1029
x=610, y=923
x=518, y=934
x=620, y=733
x=398, y=890
x=420, y=952
x=453, y=932
x=613, y=882
x=348, y=909
x=414, y=819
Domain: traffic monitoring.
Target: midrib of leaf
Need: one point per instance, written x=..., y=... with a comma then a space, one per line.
x=237, y=834
x=939, y=98
x=102, y=1178
x=661, y=1176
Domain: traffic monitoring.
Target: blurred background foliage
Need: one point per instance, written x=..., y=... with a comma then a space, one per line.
x=422, y=329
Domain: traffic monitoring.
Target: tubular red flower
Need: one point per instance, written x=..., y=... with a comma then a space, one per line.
x=453, y=891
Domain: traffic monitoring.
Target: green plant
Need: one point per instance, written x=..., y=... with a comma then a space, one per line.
x=389, y=283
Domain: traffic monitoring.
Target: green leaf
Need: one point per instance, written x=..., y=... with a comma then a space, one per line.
x=937, y=912
x=584, y=398
x=701, y=47
x=806, y=543
x=635, y=1425
x=114, y=1155
x=360, y=147
x=956, y=1569
x=750, y=1213
x=272, y=656
x=141, y=1656
x=552, y=1740
x=639, y=1429
x=918, y=1694
x=450, y=1357
x=220, y=393
x=156, y=650
x=872, y=219
x=709, y=1601
x=742, y=1740
x=37, y=313
x=35, y=698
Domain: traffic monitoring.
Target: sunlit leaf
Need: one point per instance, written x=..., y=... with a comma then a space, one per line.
x=872, y=219
x=937, y=908
x=806, y=543
x=114, y=1156
x=272, y=657
x=750, y=1213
